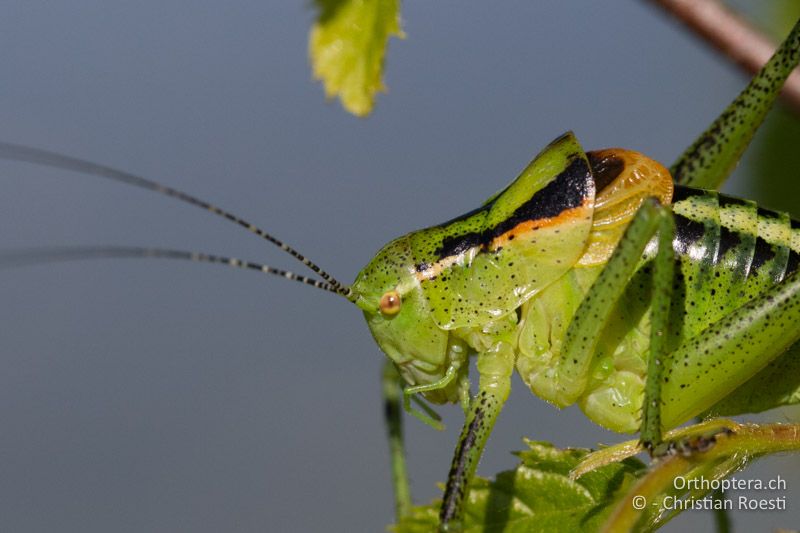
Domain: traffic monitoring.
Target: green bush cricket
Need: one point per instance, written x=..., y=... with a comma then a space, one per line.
x=410, y=293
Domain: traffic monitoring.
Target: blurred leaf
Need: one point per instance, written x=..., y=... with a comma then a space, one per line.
x=783, y=13
x=347, y=47
x=773, y=162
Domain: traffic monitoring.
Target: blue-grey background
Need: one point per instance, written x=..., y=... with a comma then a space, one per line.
x=165, y=396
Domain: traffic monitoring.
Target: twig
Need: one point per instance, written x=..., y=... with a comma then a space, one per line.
x=732, y=35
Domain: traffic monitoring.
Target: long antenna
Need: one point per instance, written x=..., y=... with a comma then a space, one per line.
x=17, y=152
x=28, y=256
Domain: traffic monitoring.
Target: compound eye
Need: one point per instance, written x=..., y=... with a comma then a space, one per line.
x=390, y=303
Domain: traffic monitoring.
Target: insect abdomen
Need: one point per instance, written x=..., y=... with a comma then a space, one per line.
x=757, y=250
x=728, y=252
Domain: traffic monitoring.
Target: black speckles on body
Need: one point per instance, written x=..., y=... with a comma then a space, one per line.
x=733, y=243
x=568, y=190
x=729, y=251
x=462, y=465
x=736, y=347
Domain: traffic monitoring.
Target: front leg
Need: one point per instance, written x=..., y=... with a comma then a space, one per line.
x=495, y=367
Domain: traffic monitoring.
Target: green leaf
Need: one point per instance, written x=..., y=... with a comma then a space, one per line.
x=609, y=490
x=347, y=47
x=538, y=495
x=772, y=165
